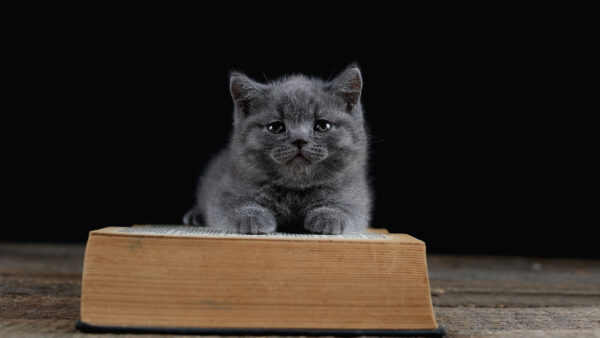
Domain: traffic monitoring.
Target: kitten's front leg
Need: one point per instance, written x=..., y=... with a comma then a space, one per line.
x=253, y=219
x=327, y=220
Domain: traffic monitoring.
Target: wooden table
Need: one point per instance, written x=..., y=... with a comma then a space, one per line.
x=473, y=296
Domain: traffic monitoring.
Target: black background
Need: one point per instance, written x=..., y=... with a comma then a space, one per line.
x=115, y=124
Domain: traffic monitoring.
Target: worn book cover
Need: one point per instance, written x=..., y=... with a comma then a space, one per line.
x=169, y=278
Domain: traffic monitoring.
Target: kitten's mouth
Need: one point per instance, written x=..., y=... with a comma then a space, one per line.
x=297, y=158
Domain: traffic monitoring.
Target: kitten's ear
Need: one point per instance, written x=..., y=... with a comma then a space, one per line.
x=348, y=86
x=243, y=91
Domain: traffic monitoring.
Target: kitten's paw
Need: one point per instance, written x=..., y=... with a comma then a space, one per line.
x=326, y=221
x=193, y=217
x=254, y=220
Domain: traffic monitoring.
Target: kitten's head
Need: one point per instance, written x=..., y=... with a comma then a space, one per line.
x=298, y=131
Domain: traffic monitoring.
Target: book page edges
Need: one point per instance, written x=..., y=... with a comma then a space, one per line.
x=392, y=237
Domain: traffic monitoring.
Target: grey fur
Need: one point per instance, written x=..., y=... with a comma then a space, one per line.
x=258, y=185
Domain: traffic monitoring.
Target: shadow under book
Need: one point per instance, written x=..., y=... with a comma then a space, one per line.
x=184, y=279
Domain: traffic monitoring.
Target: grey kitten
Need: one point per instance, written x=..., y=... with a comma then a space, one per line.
x=296, y=161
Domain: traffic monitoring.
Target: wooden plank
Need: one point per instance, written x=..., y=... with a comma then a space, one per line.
x=513, y=281
x=41, y=258
x=519, y=269
x=493, y=321
x=576, y=333
x=40, y=281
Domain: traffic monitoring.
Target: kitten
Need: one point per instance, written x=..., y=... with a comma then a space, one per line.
x=296, y=161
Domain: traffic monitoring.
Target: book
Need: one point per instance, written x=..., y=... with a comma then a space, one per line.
x=174, y=277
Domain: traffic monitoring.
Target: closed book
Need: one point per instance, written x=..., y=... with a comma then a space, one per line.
x=183, y=277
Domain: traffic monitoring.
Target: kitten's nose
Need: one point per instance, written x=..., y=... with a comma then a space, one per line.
x=299, y=143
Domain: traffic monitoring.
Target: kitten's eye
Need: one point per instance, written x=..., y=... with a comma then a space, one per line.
x=322, y=125
x=276, y=127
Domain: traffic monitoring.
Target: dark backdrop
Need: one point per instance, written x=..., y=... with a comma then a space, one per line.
x=116, y=125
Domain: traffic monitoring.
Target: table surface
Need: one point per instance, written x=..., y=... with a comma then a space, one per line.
x=473, y=295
